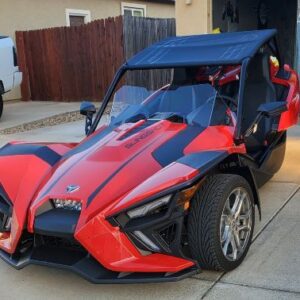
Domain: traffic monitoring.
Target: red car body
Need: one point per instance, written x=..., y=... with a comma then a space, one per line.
x=105, y=171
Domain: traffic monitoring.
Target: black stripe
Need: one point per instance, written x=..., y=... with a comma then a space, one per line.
x=78, y=149
x=203, y=161
x=43, y=152
x=88, y=143
x=173, y=149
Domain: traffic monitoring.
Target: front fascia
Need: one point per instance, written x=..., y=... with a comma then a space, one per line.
x=117, y=251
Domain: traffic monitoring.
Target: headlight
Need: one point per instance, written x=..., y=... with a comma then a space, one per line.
x=156, y=206
x=67, y=204
x=149, y=208
x=157, y=225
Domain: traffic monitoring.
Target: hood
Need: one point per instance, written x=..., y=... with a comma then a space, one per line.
x=108, y=164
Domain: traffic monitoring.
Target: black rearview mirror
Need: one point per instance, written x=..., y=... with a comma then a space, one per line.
x=87, y=109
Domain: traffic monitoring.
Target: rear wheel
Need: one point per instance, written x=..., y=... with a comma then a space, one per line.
x=221, y=222
x=1, y=105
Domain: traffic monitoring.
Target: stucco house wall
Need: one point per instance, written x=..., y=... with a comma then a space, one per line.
x=193, y=16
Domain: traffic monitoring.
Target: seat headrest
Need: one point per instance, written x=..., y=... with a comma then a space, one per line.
x=183, y=76
x=259, y=68
x=179, y=76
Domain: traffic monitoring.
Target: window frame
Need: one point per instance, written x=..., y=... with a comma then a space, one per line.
x=133, y=6
x=78, y=13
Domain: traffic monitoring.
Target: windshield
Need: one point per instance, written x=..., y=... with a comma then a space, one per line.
x=204, y=96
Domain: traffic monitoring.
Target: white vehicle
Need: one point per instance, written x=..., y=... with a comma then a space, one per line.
x=10, y=76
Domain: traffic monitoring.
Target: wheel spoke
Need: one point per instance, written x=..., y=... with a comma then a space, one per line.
x=241, y=203
x=234, y=248
x=237, y=207
x=225, y=234
x=236, y=201
x=227, y=242
x=237, y=241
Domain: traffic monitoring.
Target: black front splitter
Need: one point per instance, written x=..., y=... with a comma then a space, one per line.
x=88, y=268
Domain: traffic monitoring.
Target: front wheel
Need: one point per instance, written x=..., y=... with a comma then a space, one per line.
x=221, y=222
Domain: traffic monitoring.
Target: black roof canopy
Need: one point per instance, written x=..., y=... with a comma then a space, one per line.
x=208, y=49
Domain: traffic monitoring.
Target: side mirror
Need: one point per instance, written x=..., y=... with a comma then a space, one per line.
x=269, y=110
x=272, y=109
x=87, y=109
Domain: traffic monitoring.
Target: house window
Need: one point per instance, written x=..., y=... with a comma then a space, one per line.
x=76, y=17
x=132, y=9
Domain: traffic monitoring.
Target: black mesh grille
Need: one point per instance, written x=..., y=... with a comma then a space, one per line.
x=168, y=234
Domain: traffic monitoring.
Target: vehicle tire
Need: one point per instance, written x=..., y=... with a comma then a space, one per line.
x=222, y=216
x=1, y=105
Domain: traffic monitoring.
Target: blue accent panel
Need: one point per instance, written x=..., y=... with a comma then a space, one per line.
x=41, y=151
x=80, y=148
x=56, y=222
x=207, y=49
x=173, y=149
x=89, y=142
x=203, y=161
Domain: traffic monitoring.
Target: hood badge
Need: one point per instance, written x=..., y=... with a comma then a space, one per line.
x=72, y=188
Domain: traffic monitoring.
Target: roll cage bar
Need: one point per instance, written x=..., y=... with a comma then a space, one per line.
x=238, y=135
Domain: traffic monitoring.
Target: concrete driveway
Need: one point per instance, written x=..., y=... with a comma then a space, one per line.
x=270, y=271
x=19, y=113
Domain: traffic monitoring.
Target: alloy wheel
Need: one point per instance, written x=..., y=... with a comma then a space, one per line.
x=236, y=224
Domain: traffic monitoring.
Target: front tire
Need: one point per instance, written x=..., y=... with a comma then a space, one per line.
x=221, y=222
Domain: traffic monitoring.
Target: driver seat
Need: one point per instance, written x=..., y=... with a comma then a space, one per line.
x=258, y=89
